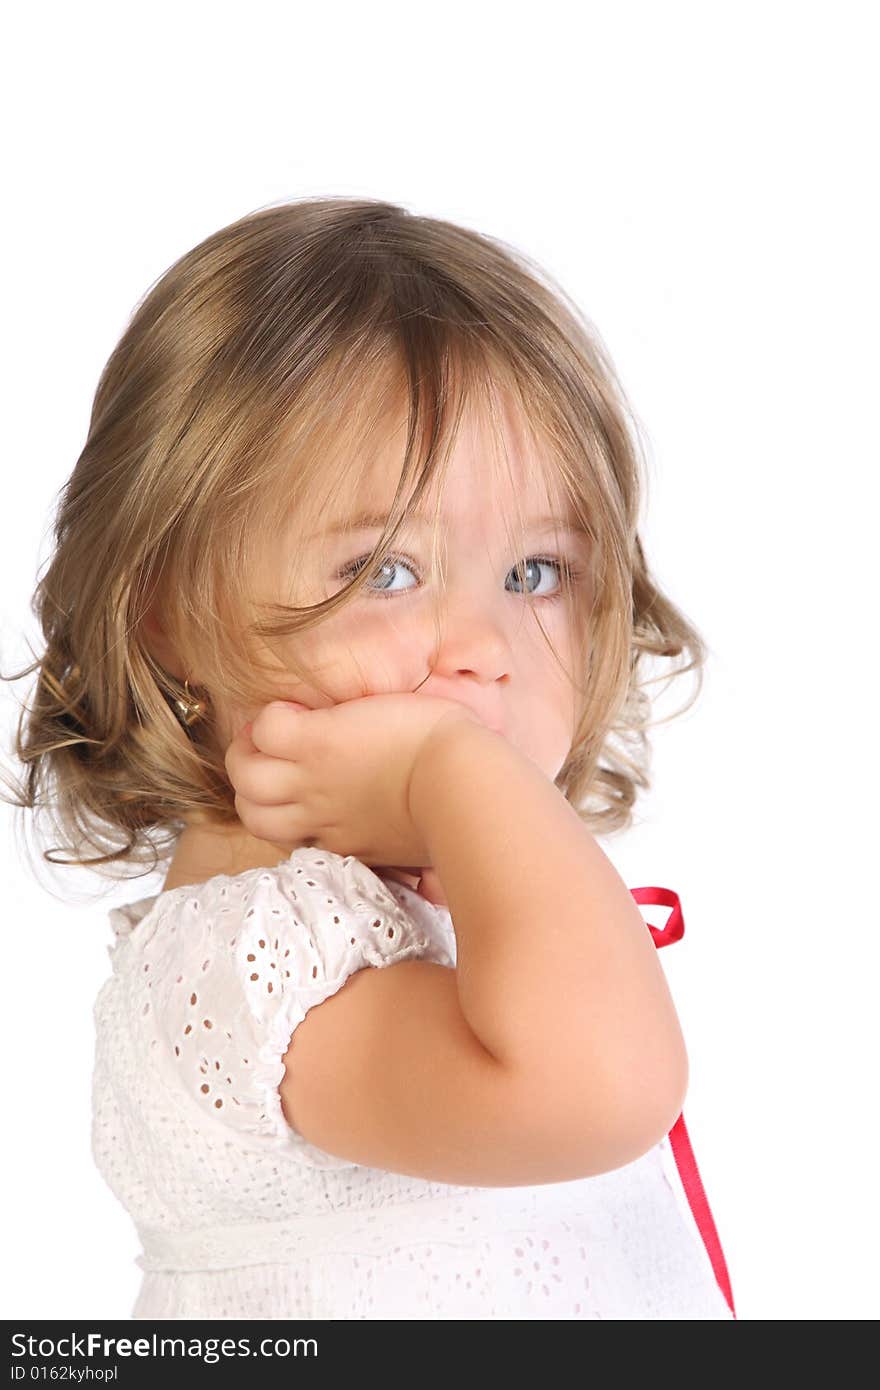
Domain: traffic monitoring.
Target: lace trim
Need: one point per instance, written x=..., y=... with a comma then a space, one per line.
x=124, y=920
x=269, y=1073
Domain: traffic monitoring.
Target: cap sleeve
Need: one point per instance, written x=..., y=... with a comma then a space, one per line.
x=253, y=954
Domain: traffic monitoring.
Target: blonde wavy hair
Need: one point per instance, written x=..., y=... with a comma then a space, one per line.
x=252, y=386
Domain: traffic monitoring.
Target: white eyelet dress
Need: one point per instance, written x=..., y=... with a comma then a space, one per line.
x=239, y=1217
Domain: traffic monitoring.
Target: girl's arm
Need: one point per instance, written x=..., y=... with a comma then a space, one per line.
x=552, y=1050
x=557, y=974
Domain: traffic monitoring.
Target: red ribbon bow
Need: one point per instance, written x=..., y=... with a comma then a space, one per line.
x=678, y=1135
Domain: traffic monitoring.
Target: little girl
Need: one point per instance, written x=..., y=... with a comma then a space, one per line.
x=344, y=625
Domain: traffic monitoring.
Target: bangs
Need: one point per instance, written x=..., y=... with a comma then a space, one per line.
x=327, y=483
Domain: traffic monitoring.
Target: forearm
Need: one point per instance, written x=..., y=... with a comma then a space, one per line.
x=557, y=974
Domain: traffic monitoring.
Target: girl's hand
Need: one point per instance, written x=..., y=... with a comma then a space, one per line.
x=431, y=888
x=427, y=882
x=337, y=777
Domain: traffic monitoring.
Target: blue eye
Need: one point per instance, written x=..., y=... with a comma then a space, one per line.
x=392, y=563
x=402, y=561
x=532, y=563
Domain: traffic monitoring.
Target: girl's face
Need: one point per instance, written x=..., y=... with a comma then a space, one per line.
x=491, y=655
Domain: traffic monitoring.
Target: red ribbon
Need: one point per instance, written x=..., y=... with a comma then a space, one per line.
x=678, y=1135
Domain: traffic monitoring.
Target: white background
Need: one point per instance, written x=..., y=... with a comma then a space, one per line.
x=701, y=179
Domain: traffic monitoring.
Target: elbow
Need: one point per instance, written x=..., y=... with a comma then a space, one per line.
x=648, y=1100
x=607, y=1118
x=618, y=1119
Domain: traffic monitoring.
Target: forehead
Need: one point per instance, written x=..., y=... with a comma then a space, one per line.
x=497, y=463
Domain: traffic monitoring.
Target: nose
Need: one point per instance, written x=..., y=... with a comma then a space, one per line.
x=472, y=661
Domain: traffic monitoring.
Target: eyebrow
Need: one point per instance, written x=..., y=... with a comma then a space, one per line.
x=375, y=521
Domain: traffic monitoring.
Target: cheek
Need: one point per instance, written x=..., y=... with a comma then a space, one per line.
x=357, y=654
x=553, y=698
x=229, y=722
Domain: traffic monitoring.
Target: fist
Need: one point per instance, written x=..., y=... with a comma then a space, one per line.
x=338, y=777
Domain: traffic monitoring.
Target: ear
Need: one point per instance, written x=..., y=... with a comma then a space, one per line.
x=158, y=644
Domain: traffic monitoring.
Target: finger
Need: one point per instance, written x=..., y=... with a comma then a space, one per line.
x=431, y=889
x=279, y=825
x=260, y=777
x=272, y=735
x=277, y=727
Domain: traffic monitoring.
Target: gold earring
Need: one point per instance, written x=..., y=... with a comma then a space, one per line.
x=190, y=709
